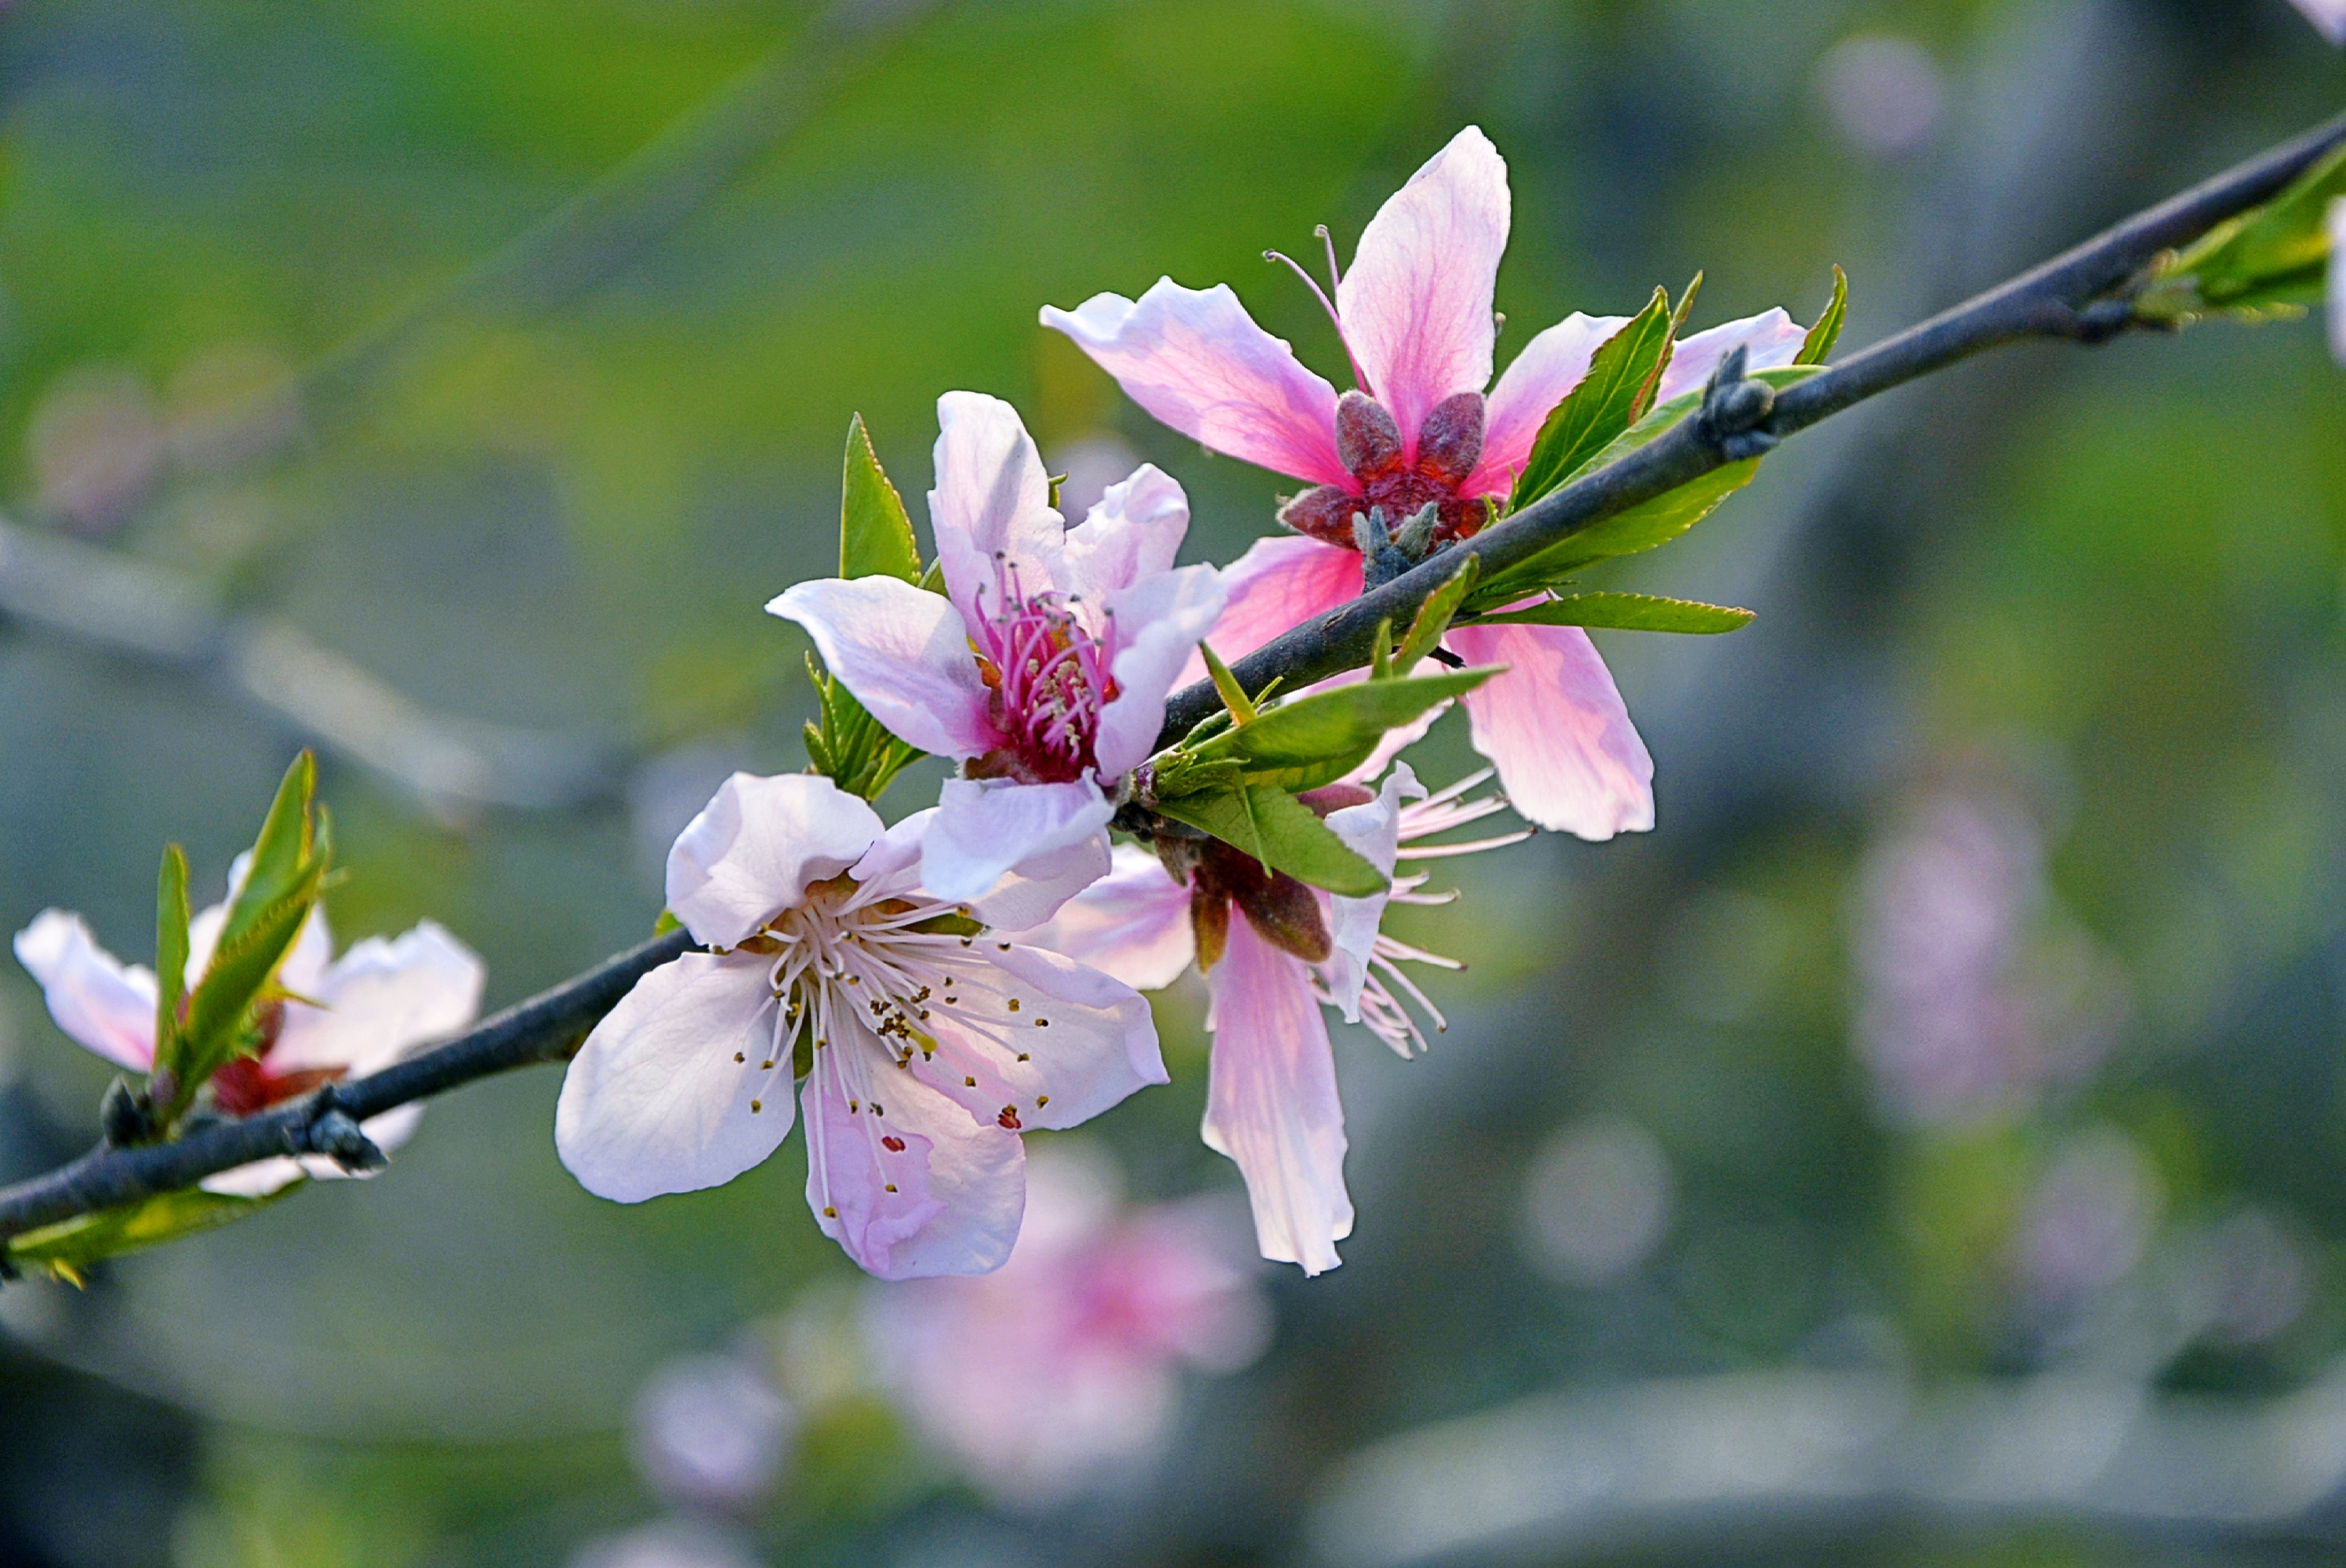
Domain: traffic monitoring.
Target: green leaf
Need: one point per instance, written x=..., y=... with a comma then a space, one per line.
x=667, y=923
x=66, y=1250
x=1318, y=737
x=1621, y=379
x=1827, y=331
x=281, y=855
x=875, y=534
x=1234, y=698
x=2285, y=238
x=1284, y=834
x=1435, y=616
x=170, y=960
x=1642, y=527
x=1625, y=611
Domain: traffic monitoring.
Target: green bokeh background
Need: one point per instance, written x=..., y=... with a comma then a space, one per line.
x=549, y=483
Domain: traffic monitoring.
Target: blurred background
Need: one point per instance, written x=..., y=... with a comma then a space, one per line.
x=1928, y=1146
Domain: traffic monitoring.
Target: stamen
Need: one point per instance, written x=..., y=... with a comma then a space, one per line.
x=1360, y=376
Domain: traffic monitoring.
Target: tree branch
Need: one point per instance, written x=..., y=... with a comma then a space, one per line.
x=545, y=1028
x=2067, y=298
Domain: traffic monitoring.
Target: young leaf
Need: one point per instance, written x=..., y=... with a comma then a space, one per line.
x=66, y=1249
x=1435, y=616
x=1605, y=402
x=2273, y=254
x=281, y=855
x=1628, y=613
x=1318, y=737
x=1233, y=695
x=875, y=536
x=170, y=959
x=1827, y=331
x=1284, y=834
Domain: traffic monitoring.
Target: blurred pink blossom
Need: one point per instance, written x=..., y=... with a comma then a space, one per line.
x=1063, y=1367
x=2328, y=16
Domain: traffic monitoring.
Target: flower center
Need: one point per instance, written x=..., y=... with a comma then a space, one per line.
x=1048, y=676
x=1388, y=479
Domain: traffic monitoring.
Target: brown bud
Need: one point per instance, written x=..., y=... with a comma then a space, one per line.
x=1209, y=921
x=1286, y=915
x=1323, y=512
x=1450, y=443
x=1367, y=438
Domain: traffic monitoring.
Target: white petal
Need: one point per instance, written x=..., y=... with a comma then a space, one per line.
x=101, y=1002
x=1133, y=923
x=903, y=653
x=1032, y=891
x=1271, y=1104
x=1036, y=1039
x=672, y=1092
x=261, y=1177
x=1133, y=533
x=383, y=998
x=992, y=507
x=258, y=1179
x=1158, y=621
x=985, y=827
x=1773, y=337
x=1373, y=831
x=756, y=846
x=947, y=1202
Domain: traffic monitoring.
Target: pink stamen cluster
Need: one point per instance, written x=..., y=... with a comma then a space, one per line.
x=1049, y=677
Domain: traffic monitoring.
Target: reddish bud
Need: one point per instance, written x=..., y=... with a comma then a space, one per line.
x=1367, y=438
x=1450, y=443
x=1323, y=512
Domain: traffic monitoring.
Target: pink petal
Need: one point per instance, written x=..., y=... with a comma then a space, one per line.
x=1132, y=534
x=99, y=1001
x=1133, y=923
x=756, y=846
x=987, y=827
x=2328, y=16
x=1773, y=337
x=1271, y=1101
x=1278, y=585
x=1416, y=305
x=1198, y=361
x=1373, y=831
x=905, y=656
x=1047, y=1040
x=381, y=998
x=1550, y=366
x=991, y=510
x=685, y=1084
x=1157, y=622
x=1032, y=891
x=959, y=1188
x=1568, y=757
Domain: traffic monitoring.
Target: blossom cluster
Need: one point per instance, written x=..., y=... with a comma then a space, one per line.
x=921, y=994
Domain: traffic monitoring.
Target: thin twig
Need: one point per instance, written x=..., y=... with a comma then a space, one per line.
x=2056, y=300
x=545, y=1028
x=2066, y=299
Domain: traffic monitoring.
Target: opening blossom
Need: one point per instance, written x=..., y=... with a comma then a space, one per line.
x=1419, y=431
x=1045, y=667
x=1272, y=1103
x=1064, y=1367
x=373, y=1005
x=924, y=1049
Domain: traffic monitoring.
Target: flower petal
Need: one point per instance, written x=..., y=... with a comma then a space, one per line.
x=1132, y=534
x=903, y=653
x=1534, y=382
x=991, y=509
x=381, y=998
x=1197, y=360
x=985, y=827
x=1271, y=1101
x=101, y=1002
x=947, y=1202
x=1158, y=621
x=1373, y=831
x=684, y=1086
x=1773, y=337
x=1416, y=305
x=1032, y=891
x=756, y=846
x=1568, y=757
x=1034, y=1038
x=1133, y=923
x=1281, y=582
x=261, y=1177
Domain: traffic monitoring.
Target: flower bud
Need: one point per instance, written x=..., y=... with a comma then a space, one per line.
x=1450, y=442
x=1368, y=441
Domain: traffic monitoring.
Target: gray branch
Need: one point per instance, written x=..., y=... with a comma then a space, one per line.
x=2058, y=300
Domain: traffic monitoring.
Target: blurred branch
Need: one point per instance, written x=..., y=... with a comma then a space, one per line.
x=1813, y=1449
x=455, y=766
x=2070, y=298
x=547, y=1027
